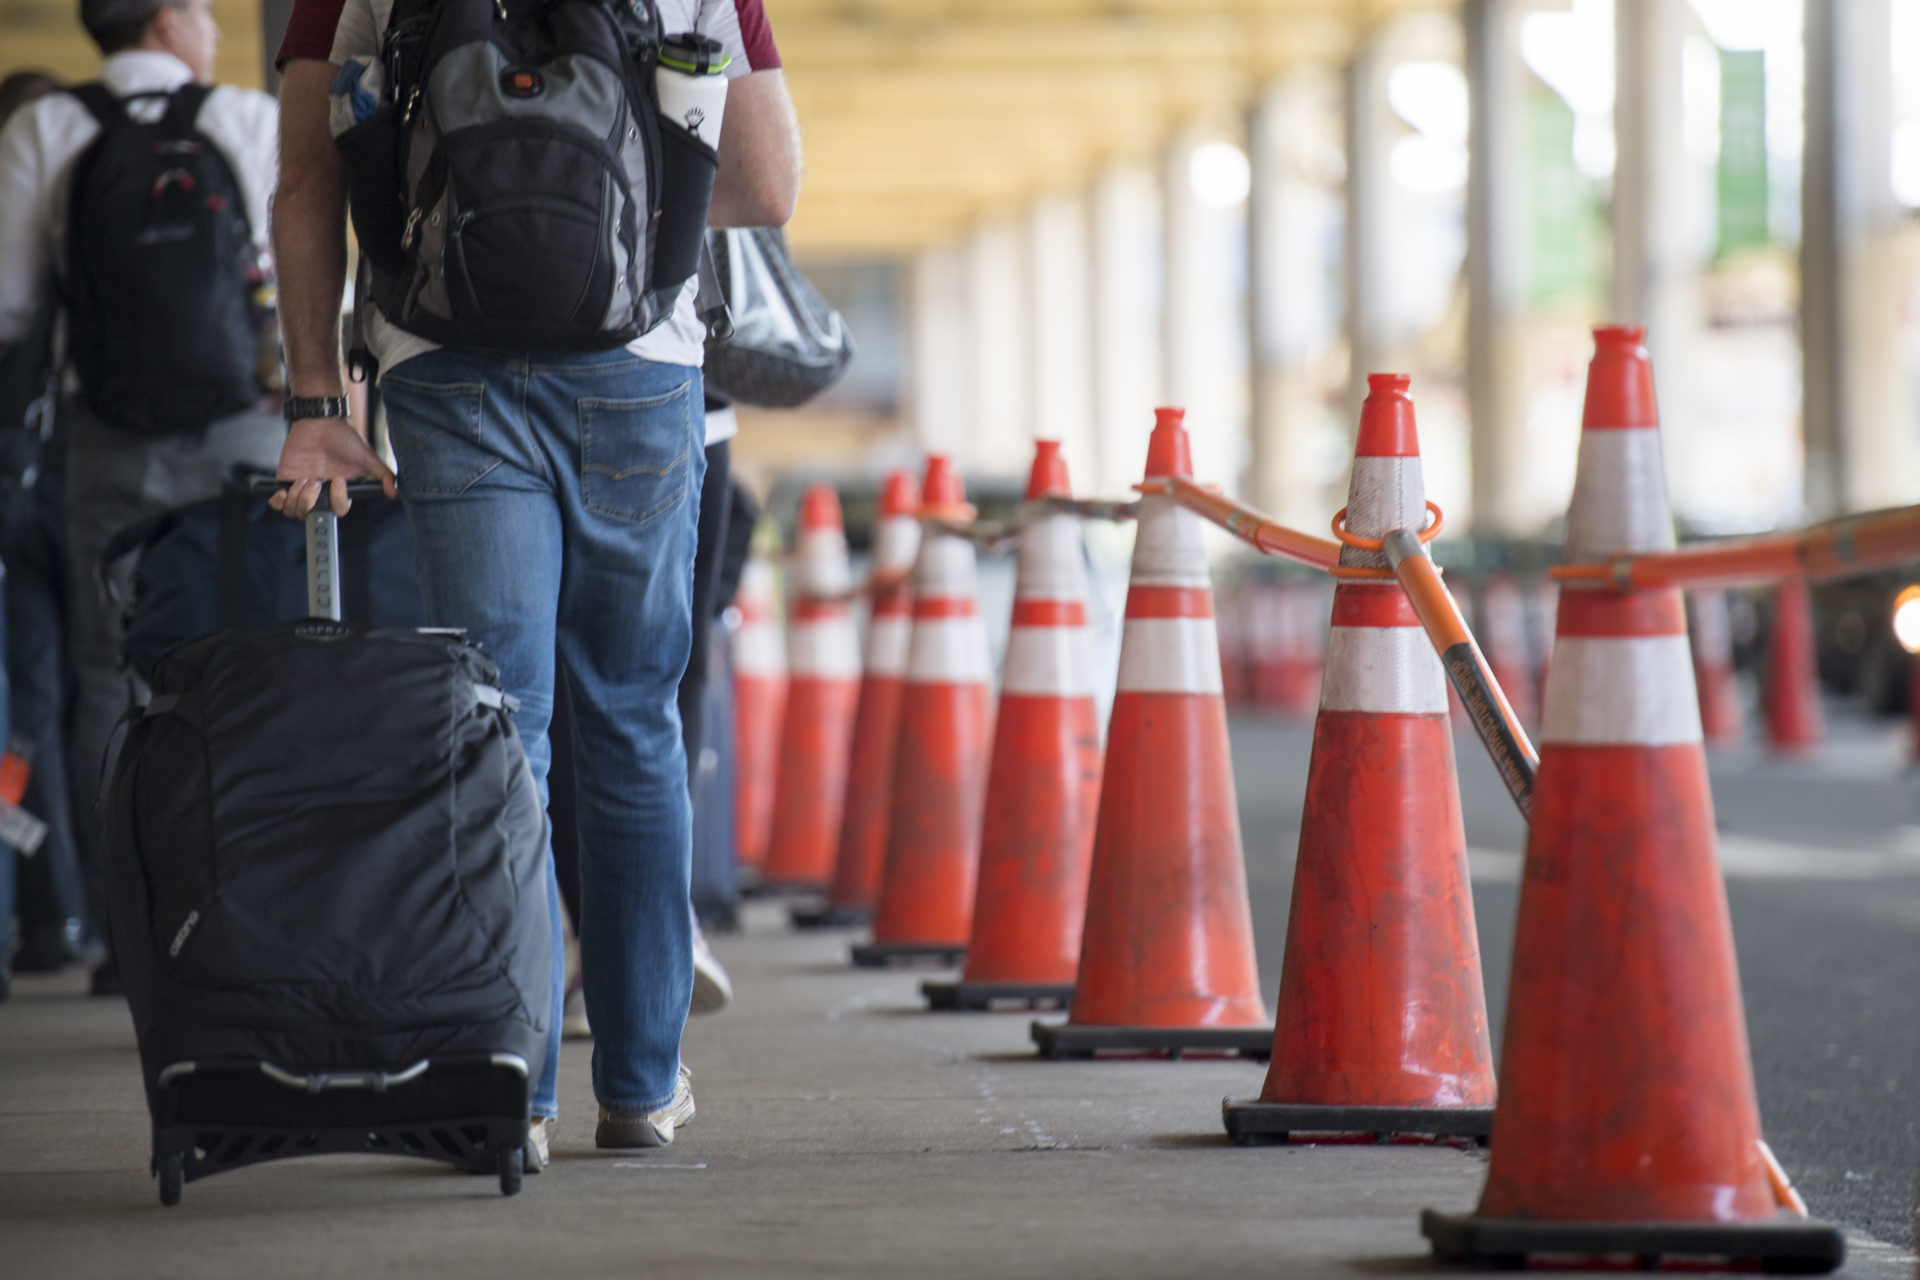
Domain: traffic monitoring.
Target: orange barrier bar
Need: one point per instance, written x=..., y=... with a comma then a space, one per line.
x=1467, y=668
x=1833, y=549
x=1248, y=525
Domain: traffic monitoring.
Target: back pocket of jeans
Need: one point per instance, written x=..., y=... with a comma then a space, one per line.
x=634, y=455
x=434, y=428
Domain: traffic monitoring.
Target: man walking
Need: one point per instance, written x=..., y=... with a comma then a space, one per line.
x=144, y=197
x=553, y=498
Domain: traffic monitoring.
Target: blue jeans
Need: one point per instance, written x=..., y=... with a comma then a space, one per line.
x=554, y=501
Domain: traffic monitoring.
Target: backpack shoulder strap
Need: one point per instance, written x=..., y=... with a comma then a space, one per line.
x=100, y=102
x=183, y=108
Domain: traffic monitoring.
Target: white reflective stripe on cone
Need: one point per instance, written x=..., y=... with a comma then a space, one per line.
x=820, y=564
x=1048, y=662
x=949, y=651
x=889, y=639
x=1169, y=655
x=1382, y=670
x=1621, y=690
x=1619, y=495
x=1167, y=551
x=757, y=650
x=896, y=544
x=1386, y=494
x=946, y=568
x=827, y=648
x=1052, y=564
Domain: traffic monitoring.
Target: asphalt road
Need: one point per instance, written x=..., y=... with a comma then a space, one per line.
x=1823, y=880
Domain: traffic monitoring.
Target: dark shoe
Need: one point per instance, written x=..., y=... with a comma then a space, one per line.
x=6, y=984
x=105, y=980
x=49, y=950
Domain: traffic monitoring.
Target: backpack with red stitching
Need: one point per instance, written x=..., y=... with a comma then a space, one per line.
x=162, y=275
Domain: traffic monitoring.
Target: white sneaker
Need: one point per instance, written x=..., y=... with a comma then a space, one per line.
x=656, y=1128
x=712, y=988
x=539, y=1140
x=573, y=1017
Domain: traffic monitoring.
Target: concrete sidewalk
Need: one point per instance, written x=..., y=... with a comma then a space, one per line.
x=842, y=1132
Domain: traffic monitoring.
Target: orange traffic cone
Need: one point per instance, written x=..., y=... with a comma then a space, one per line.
x=940, y=762
x=1166, y=963
x=1627, y=1122
x=1721, y=718
x=759, y=705
x=1043, y=786
x=1382, y=1020
x=876, y=718
x=1303, y=607
x=1794, y=723
x=1507, y=649
x=1236, y=683
x=823, y=685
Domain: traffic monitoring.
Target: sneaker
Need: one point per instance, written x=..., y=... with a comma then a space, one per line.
x=655, y=1129
x=712, y=989
x=573, y=1016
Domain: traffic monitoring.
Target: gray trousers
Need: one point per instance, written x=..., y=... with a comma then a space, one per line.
x=114, y=479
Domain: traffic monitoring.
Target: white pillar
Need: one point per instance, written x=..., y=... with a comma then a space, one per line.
x=1369, y=252
x=1204, y=321
x=1059, y=281
x=1858, y=451
x=1496, y=267
x=1000, y=433
x=1127, y=302
x=941, y=391
x=1291, y=306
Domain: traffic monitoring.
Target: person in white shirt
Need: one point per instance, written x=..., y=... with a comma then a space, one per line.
x=115, y=475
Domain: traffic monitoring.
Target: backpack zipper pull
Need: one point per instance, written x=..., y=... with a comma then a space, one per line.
x=500, y=7
x=412, y=229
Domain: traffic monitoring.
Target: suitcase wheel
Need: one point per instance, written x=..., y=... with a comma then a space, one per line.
x=512, y=1166
x=173, y=1176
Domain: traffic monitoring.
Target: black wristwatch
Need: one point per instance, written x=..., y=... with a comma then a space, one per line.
x=297, y=407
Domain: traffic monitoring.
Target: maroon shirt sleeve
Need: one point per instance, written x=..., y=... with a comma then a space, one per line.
x=310, y=31
x=756, y=34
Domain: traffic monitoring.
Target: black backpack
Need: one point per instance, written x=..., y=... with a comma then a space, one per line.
x=517, y=189
x=164, y=289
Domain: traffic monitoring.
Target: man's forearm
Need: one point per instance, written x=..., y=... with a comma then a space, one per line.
x=759, y=177
x=309, y=232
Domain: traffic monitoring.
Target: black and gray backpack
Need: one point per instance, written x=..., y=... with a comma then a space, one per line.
x=516, y=189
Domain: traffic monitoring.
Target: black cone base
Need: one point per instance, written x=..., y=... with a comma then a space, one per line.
x=817, y=916
x=884, y=955
x=950, y=997
x=1250, y=1121
x=1783, y=1246
x=1066, y=1040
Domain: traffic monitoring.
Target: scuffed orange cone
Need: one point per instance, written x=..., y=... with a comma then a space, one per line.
x=1166, y=962
x=1721, y=718
x=1627, y=1123
x=1794, y=723
x=1382, y=1023
x=1505, y=636
x=925, y=911
x=823, y=686
x=876, y=720
x=1303, y=607
x=759, y=705
x=1043, y=785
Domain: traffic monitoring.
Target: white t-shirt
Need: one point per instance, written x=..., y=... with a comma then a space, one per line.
x=680, y=338
x=41, y=142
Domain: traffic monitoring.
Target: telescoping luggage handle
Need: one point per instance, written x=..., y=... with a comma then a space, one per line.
x=323, y=544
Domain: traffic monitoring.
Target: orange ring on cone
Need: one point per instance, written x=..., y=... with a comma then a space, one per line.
x=1359, y=543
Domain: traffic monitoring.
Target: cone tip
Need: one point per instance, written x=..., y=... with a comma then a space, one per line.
x=820, y=508
x=1168, y=452
x=942, y=490
x=1049, y=474
x=1620, y=380
x=1386, y=419
x=899, y=494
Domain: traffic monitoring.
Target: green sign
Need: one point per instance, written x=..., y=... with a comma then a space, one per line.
x=1564, y=219
x=1743, y=151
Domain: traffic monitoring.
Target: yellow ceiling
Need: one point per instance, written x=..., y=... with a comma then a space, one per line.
x=922, y=116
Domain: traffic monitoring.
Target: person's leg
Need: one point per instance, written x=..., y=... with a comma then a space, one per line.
x=488, y=543
x=634, y=431
x=711, y=542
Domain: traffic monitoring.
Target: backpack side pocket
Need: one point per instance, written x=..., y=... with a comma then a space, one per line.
x=371, y=150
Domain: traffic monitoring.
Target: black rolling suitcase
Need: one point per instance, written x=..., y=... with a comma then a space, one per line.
x=326, y=861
